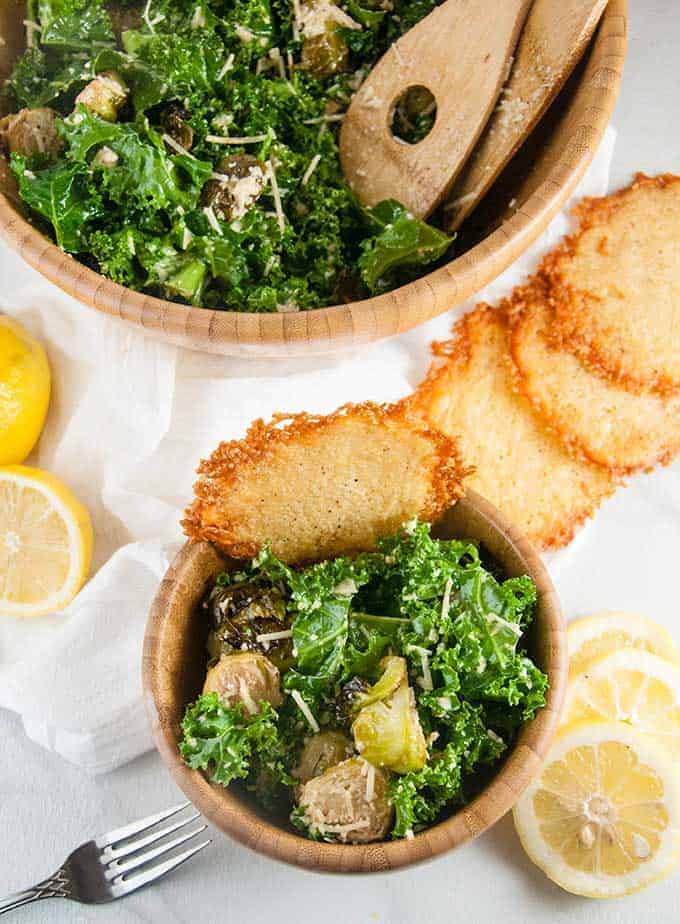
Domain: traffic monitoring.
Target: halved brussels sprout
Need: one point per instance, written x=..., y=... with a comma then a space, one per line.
x=244, y=616
x=325, y=54
x=247, y=678
x=321, y=752
x=104, y=95
x=387, y=730
x=174, y=122
x=394, y=674
x=349, y=802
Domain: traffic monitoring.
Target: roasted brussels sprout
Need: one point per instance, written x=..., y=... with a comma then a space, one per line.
x=174, y=124
x=104, y=95
x=348, y=802
x=321, y=752
x=324, y=51
x=246, y=678
x=123, y=18
x=239, y=182
x=393, y=675
x=31, y=131
x=387, y=730
x=344, y=704
x=325, y=54
x=240, y=614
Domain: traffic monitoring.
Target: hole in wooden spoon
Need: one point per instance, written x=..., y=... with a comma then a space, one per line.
x=414, y=115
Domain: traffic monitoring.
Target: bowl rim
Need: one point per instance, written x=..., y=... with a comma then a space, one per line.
x=223, y=808
x=333, y=328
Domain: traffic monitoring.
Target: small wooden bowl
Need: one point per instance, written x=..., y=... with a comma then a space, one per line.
x=174, y=669
x=540, y=185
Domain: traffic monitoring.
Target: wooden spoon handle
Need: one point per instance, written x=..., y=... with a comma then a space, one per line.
x=460, y=53
x=554, y=38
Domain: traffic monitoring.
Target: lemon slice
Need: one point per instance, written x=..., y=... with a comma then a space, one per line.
x=24, y=391
x=602, y=633
x=602, y=818
x=629, y=686
x=45, y=543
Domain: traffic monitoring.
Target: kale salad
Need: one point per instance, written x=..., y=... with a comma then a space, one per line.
x=189, y=148
x=364, y=697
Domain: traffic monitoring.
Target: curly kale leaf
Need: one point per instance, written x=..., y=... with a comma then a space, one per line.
x=75, y=24
x=321, y=596
x=38, y=79
x=228, y=744
x=64, y=195
x=421, y=795
x=399, y=245
x=116, y=254
x=173, y=66
x=144, y=173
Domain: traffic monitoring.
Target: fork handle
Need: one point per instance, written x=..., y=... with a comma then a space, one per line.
x=56, y=886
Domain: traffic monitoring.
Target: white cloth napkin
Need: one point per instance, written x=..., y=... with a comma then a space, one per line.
x=129, y=420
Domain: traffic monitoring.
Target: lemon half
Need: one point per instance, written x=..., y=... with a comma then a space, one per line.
x=602, y=819
x=602, y=633
x=24, y=391
x=45, y=543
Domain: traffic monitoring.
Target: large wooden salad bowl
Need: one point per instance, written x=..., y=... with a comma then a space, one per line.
x=539, y=181
x=174, y=668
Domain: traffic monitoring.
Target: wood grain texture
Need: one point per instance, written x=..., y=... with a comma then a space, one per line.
x=173, y=671
x=538, y=197
x=460, y=52
x=553, y=40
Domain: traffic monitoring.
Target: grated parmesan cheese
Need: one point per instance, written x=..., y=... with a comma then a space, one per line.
x=340, y=830
x=274, y=636
x=246, y=698
x=503, y=623
x=313, y=164
x=370, y=782
x=247, y=139
x=427, y=675
x=313, y=18
x=105, y=157
x=280, y=217
x=446, y=601
x=212, y=219
x=198, y=19
x=276, y=58
x=176, y=146
x=228, y=65
x=305, y=710
x=296, y=19
x=346, y=588
x=243, y=35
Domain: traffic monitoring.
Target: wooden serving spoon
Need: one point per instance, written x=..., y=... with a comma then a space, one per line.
x=460, y=52
x=553, y=40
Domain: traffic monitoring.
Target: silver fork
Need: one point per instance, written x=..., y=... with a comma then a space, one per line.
x=116, y=863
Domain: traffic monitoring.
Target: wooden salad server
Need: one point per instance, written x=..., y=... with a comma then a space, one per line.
x=460, y=52
x=555, y=35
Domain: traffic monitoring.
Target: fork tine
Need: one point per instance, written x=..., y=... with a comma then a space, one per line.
x=115, y=853
x=117, y=866
x=129, y=884
x=136, y=827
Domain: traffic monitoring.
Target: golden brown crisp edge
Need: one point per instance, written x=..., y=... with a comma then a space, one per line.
x=219, y=473
x=454, y=354
x=570, y=331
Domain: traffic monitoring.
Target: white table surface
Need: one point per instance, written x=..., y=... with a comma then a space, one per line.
x=47, y=806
